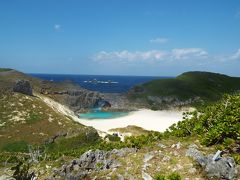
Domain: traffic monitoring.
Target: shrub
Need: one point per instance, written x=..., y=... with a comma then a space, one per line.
x=159, y=177
x=112, y=137
x=174, y=176
x=216, y=124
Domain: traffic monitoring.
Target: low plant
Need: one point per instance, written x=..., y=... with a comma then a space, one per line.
x=172, y=176
x=216, y=124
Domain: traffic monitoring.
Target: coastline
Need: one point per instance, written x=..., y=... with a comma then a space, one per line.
x=145, y=118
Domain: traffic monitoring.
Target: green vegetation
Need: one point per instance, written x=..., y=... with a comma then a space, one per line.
x=112, y=138
x=17, y=146
x=218, y=124
x=75, y=145
x=33, y=117
x=5, y=69
x=207, y=86
x=81, y=141
x=26, y=121
x=172, y=176
x=159, y=177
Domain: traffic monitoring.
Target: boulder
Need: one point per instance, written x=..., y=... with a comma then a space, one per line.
x=23, y=86
x=197, y=156
x=222, y=167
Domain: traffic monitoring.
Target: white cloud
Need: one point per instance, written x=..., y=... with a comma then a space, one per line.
x=188, y=53
x=235, y=56
x=57, y=27
x=130, y=56
x=152, y=55
x=159, y=40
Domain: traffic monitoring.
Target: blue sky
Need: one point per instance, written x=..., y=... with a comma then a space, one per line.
x=123, y=37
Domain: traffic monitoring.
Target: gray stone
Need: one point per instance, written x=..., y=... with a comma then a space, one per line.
x=146, y=176
x=120, y=177
x=166, y=158
x=222, y=167
x=122, y=152
x=192, y=170
x=88, y=162
x=178, y=145
x=147, y=157
x=217, y=156
x=161, y=145
x=23, y=86
x=193, y=146
x=197, y=156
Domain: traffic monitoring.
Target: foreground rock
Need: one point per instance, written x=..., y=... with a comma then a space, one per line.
x=91, y=161
x=23, y=86
x=214, y=167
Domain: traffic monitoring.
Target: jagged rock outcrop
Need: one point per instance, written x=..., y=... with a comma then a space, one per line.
x=221, y=167
x=23, y=86
x=78, y=99
x=91, y=161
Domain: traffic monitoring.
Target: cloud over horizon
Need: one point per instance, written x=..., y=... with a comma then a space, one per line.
x=151, y=55
x=236, y=55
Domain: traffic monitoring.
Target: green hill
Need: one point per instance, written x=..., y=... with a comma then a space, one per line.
x=29, y=120
x=196, y=85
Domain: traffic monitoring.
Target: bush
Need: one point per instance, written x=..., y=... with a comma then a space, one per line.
x=159, y=177
x=216, y=124
x=112, y=137
x=174, y=176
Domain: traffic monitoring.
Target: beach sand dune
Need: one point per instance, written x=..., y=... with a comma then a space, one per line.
x=145, y=118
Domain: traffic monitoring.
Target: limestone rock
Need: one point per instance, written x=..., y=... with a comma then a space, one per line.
x=146, y=176
x=223, y=167
x=91, y=161
x=197, y=156
x=23, y=86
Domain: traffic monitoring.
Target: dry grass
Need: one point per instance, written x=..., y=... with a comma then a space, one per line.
x=134, y=130
x=27, y=118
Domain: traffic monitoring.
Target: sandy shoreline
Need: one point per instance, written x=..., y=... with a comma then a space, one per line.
x=145, y=118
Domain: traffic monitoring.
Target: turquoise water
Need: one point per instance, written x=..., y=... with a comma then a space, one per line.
x=102, y=115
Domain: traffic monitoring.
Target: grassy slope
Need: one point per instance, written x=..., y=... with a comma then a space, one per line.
x=28, y=120
x=206, y=85
x=5, y=69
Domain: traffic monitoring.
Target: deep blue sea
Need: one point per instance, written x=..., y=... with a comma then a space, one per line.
x=101, y=83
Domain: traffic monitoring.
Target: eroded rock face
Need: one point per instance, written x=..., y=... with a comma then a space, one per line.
x=101, y=103
x=23, y=86
x=90, y=161
x=223, y=167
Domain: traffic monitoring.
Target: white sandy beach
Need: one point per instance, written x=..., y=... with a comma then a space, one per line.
x=145, y=118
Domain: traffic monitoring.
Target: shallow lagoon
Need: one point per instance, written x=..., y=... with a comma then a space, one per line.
x=102, y=115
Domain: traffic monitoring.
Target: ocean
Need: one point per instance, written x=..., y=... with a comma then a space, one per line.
x=101, y=83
